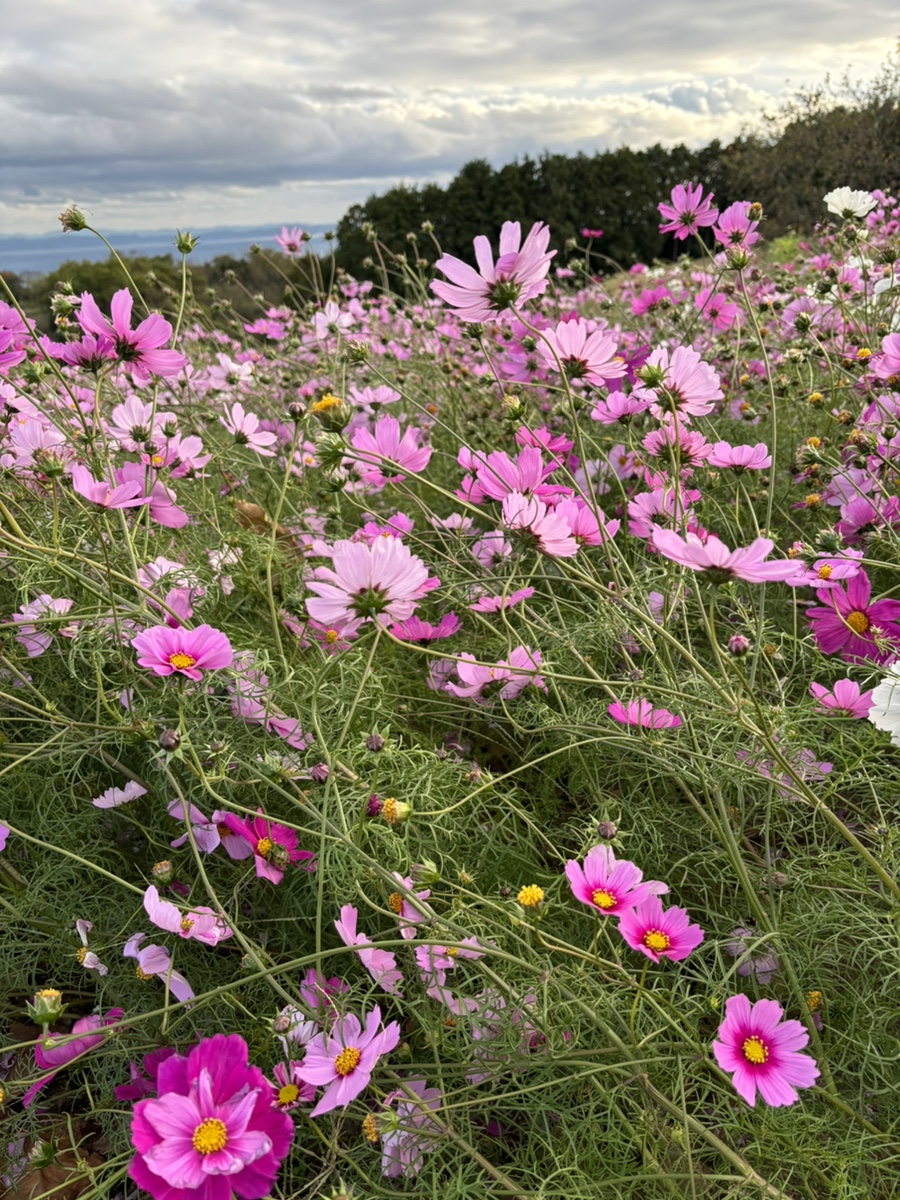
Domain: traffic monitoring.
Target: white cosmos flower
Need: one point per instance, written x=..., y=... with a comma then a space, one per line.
x=885, y=711
x=847, y=203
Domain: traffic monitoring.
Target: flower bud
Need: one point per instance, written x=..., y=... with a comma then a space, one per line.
x=357, y=352
x=184, y=242
x=425, y=872
x=373, y=806
x=296, y=410
x=607, y=830
x=281, y=1024
x=319, y=772
x=46, y=1007
x=394, y=811
x=169, y=740
x=374, y=742
x=162, y=872
x=72, y=220
x=738, y=645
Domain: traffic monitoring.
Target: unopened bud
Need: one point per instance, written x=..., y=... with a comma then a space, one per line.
x=169, y=740
x=184, y=242
x=162, y=872
x=738, y=645
x=46, y=1007
x=607, y=830
x=319, y=772
x=425, y=872
x=296, y=410
x=374, y=742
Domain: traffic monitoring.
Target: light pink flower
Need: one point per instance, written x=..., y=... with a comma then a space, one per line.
x=155, y=961
x=87, y=957
x=740, y=458
x=609, y=885
x=760, y=1052
x=378, y=451
x=408, y=915
x=114, y=796
x=200, y=923
x=107, y=495
x=412, y=1134
x=641, y=712
x=845, y=697
x=342, y=1060
x=290, y=240
x=190, y=652
x=659, y=933
x=715, y=559
x=518, y=276
x=549, y=533
x=585, y=526
x=489, y=604
x=35, y=640
x=59, y=1049
x=505, y=679
x=582, y=352
x=735, y=230
x=380, y=964
x=244, y=427
x=382, y=583
x=691, y=385
x=621, y=407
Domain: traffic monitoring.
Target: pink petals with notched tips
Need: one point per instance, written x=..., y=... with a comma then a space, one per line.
x=761, y=1052
x=342, y=1060
x=189, y=652
x=200, y=923
x=380, y=964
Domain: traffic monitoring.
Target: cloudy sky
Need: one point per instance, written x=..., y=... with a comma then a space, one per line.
x=153, y=113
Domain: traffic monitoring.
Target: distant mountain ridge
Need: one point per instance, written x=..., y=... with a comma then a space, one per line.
x=23, y=253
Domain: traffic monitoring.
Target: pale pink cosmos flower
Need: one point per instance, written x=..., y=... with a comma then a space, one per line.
x=161, y=507
x=189, y=652
x=200, y=923
x=845, y=697
x=688, y=209
x=691, y=385
x=407, y=914
x=205, y=831
x=434, y=961
x=582, y=352
x=342, y=1059
x=549, y=533
x=721, y=564
x=518, y=276
x=609, y=885
x=376, y=452
x=740, y=458
x=155, y=961
x=87, y=957
x=107, y=495
x=330, y=321
x=134, y=422
x=760, y=1052
x=138, y=348
x=489, y=604
x=505, y=679
x=659, y=933
x=244, y=427
x=380, y=964
x=642, y=713
x=621, y=407
x=674, y=439
x=290, y=240
x=382, y=582
x=115, y=796
x=35, y=640
x=411, y=1134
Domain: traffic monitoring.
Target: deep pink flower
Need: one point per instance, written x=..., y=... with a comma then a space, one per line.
x=382, y=583
x=496, y=475
x=273, y=846
x=380, y=964
x=200, y=923
x=290, y=240
x=244, y=427
x=716, y=309
x=847, y=625
x=687, y=211
x=342, y=1060
x=642, y=712
x=582, y=352
x=190, y=652
x=378, y=451
x=740, y=458
x=143, y=1083
x=652, y=299
x=54, y=1053
x=845, y=697
x=139, y=348
x=155, y=961
x=4, y=834
x=213, y=1130
x=518, y=276
x=416, y=630
x=721, y=564
x=760, y=1052
x=659, y=933
x=161, y=507
x=735, y=230
x=609, y=885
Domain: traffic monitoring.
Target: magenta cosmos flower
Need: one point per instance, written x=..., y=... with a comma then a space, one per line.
x=342, y=1061
x=273, y=846
x=139, y=347
x=190, y=652
x=608, y=885
x=642, y=712
x=687, y=211
x=214, y=1129
x=519, y=274
x=659, y=933
x=721, y=564
x=382, y=583
x=847, y=625
x=60, y=1049
x=759, y=1051
x=845, y=697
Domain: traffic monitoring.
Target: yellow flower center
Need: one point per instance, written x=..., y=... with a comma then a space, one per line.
x=813, y=500
x=327, y=401
x=603, y=899
x=754, y=1050
x=814, y=442
x=156, y=460
x=824, y=572
x=330, y=636
x=50, y=994
x=347, y=1060
x=264, y=847
x=863, y=353
x=179, y=660
x=813, y=1001
x=209, y=1136
x=82, y=954
x=288, y=1094
x=395, y=902
x=656, y=940
x=369, y=1128
x=452, y=951
x=142, y=975
x=530, y=896
x=389, y=810
x=858, y=621
x=186, y=924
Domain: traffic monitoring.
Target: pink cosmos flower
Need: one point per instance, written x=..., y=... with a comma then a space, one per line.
x=408, y=915
x=434, y=961
x=143, y=1083
x=887, y=363
x=845, y=697
x=290, y=240
x=692, y=447
x=505, y=679
x=290, y=1089
x=621, y=407
x=652, y=299
x=107, y=495
x=273, y=846
x=687, y=211
x=548, y=532
x=190, y=652
x=4, y=834
x=380, y=450
x=740, y=458
x=138, y=348
x=343, y=1059
x=382, y=583
x=213, y=1130
x=200, y=923
x=156, y=961
x=641, y=712
x=114, y=796
x=582, y=352
x=86, y=956
x=518, y=276
x=608, y=885
x=735, y=230
x=716, y=560
x=35, y=640
x=659, y=933
x=59, y=1049
x=244, y=427
x=691, y=385
x=417, y=630
x=489, y=604
x=380, y=964
x=161, y=507
x=496, y=475
x=760, y=1052
x=585, y=526
x=411, y=1134
x=330, y=321
x=716, y=309
x=825, y=574
x=848, y=624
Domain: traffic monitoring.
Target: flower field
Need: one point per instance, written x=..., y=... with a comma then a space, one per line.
x=449, y=742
